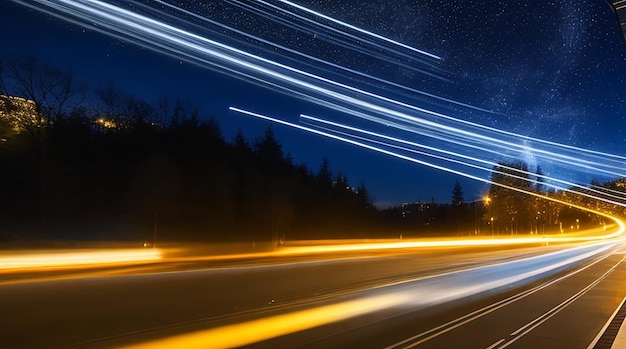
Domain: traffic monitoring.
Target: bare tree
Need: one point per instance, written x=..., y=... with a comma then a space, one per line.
x=53, y=93
x=111, y=100
x=35, y=96
x=163, y=110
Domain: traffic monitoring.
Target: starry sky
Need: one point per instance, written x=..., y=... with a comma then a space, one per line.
x=554, y=70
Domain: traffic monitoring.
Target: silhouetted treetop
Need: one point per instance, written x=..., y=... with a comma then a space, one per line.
x=324, y=175
x=268, y=149
x=121, y=166
x=457, y=195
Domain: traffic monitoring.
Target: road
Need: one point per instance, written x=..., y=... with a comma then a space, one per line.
x=566, y=311
x=116, y=307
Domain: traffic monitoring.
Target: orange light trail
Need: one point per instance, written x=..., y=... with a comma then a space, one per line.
x=66, y=259
x=245, y=333
x=455, y=242
x=420, y=292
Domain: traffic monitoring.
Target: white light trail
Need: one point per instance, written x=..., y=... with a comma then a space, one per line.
x=450, y=138
x=365, y=143
x=411, y=294
x=486, y=165
x=363, y=31
x=319, y=60
x=352, y=42
x=483, y=145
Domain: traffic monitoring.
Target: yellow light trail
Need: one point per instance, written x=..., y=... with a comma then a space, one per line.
x=424, y=291
x=245, y=333
x=64, y=259
x=172, y=39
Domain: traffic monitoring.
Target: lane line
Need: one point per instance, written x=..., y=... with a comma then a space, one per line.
x=496, y=344
x=606, y=325
x=524, y=330
x=458, y=322
x=555, y=310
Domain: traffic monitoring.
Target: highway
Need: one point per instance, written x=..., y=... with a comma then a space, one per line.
x=552, y=313
x=398, y=298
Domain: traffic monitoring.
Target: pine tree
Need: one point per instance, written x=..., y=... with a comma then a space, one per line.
x=269, y=150
x=457, y=195
x=324, y=175
x=539, y=186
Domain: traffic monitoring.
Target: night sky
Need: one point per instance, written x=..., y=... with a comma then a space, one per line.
x=554, y=70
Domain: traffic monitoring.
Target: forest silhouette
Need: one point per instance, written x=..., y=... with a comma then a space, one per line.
x=101, y=164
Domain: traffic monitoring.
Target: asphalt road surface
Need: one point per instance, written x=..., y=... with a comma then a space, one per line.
x=565, y=311
x=119, y=307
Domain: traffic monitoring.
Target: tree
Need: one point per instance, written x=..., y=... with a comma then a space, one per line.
x=163, y=110
x=111, y=106
x=540, y=206
x=341, y=184
x=363, y=197
x=457, y=195
x=280, y=209
x=53, y=92
x=458, y=207
x=140, y=112
x=12, y=111
x=39, y=95
x=510, y=205
x=324, y=175
x=269, y=150
x=240, y=144
x=539, y=176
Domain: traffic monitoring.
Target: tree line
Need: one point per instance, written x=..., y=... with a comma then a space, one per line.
x=518, y=202
x=515, y=211
x=125, y=168
x=103, y=164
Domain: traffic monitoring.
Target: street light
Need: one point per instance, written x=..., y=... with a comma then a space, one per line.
x=486, y=200
x=154, y=238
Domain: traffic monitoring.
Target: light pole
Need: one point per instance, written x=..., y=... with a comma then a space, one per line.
x=486, y=200
x=154, y=238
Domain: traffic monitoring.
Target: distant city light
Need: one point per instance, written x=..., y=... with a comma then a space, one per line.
x=106, y=123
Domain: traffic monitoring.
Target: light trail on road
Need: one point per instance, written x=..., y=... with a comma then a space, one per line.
x=454, y=145
x=270, y=327
x=63, y=259
x=410, y=294
x=42, y=261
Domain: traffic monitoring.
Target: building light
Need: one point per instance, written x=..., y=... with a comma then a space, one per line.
x=19, y=113
x=106, y=123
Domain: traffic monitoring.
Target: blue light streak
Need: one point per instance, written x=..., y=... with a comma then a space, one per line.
x=450, y=143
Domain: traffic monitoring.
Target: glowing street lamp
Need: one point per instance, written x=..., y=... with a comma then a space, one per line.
x=486, y=200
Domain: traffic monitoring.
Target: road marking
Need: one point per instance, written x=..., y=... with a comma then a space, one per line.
x=465, y=319
x=606, y=325
x=496, y=344
x=522, y=331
